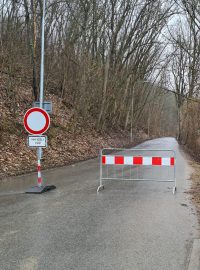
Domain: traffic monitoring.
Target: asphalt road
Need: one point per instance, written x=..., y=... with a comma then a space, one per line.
x=127, y=226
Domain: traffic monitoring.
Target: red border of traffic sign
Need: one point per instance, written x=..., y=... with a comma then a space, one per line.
x=46, y=115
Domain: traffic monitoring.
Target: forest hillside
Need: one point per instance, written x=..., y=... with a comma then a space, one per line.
x=117, y=72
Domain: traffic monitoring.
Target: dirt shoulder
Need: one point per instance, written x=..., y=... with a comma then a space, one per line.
x=194, y=190
x=195, y=186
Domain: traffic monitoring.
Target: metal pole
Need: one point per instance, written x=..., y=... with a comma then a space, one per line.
x=40, y=188
x=39, y=180
x=42, y=75
x=42, y=57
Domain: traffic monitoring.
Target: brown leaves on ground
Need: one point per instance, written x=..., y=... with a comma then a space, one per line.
x=195, y=187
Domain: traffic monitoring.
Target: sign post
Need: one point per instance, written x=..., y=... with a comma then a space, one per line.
x=42, y=67
x=37, y=120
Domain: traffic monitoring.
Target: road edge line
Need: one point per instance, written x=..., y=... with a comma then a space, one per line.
x=194, y=261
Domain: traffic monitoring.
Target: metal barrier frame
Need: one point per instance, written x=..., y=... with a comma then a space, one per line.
x=101, y=186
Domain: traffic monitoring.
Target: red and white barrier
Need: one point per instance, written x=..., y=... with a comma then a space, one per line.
x=138, y=160
x=132, y=163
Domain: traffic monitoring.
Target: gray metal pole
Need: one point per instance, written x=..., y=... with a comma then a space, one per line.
x=42, y=57
x=42, y=71
x=40, y=187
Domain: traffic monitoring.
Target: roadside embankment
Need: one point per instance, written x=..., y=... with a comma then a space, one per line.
x=195, y=186
x=70, y=138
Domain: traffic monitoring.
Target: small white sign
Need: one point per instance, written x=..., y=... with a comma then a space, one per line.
x=37, y=141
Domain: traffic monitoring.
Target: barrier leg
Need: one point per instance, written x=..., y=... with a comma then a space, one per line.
x=174, y=188
x=101, y=186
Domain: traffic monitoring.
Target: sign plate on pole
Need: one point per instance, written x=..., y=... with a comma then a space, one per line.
x=37, y=141
x=46, y=105
x=36, y=121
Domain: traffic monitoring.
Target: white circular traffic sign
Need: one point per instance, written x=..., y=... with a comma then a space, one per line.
x=36, y=121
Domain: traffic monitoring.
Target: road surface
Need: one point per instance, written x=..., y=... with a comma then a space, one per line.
x=128, y=226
